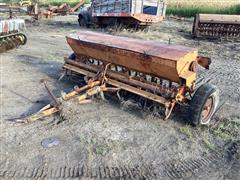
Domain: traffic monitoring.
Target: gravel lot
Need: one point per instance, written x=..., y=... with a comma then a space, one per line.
x=109, y=139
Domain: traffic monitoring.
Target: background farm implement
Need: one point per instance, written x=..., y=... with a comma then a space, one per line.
x=11, y=34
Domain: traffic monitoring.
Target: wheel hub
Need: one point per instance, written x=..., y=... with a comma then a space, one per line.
x=207, y=110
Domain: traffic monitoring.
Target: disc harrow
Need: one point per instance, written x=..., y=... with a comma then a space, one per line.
x=216, y=25
x=11, y=35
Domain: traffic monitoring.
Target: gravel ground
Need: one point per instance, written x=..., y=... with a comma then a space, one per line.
x=92, y=138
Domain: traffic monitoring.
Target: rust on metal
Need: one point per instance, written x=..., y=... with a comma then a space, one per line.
x=149, y=57
x=207, y=108
x=164, y=74
x=55, y=100
x=159, y=72
x=154, y=87
x=62, y=10
x=77, y=6
x=133, y=12
x=204, y=61
x=11, y=34
x=216, y=25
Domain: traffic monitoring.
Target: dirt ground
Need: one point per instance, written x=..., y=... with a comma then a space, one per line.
x=110, y=139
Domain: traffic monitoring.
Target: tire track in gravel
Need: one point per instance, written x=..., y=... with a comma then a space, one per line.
x=218, y=75
x=174, y=169
x=153, y=146
x=102, y=172
x=226, y=76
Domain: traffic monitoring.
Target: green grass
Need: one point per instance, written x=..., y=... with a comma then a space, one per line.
x=190, y=11
x=227, y=129
x=94, y=146
x=208, y=144
x=187, y=130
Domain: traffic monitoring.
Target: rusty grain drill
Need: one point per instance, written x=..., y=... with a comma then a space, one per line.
x=165, y=74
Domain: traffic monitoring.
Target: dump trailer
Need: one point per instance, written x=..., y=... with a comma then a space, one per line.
x=11, y=34
x=216, y=26
x=127, y=12
x=153, y=72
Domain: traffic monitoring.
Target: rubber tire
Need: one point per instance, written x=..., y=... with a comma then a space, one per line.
x=82, y=22
x=198, y=101
x=25, y=39
x=72, y=56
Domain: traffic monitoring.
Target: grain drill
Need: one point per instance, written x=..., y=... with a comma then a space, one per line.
x=159, y=73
